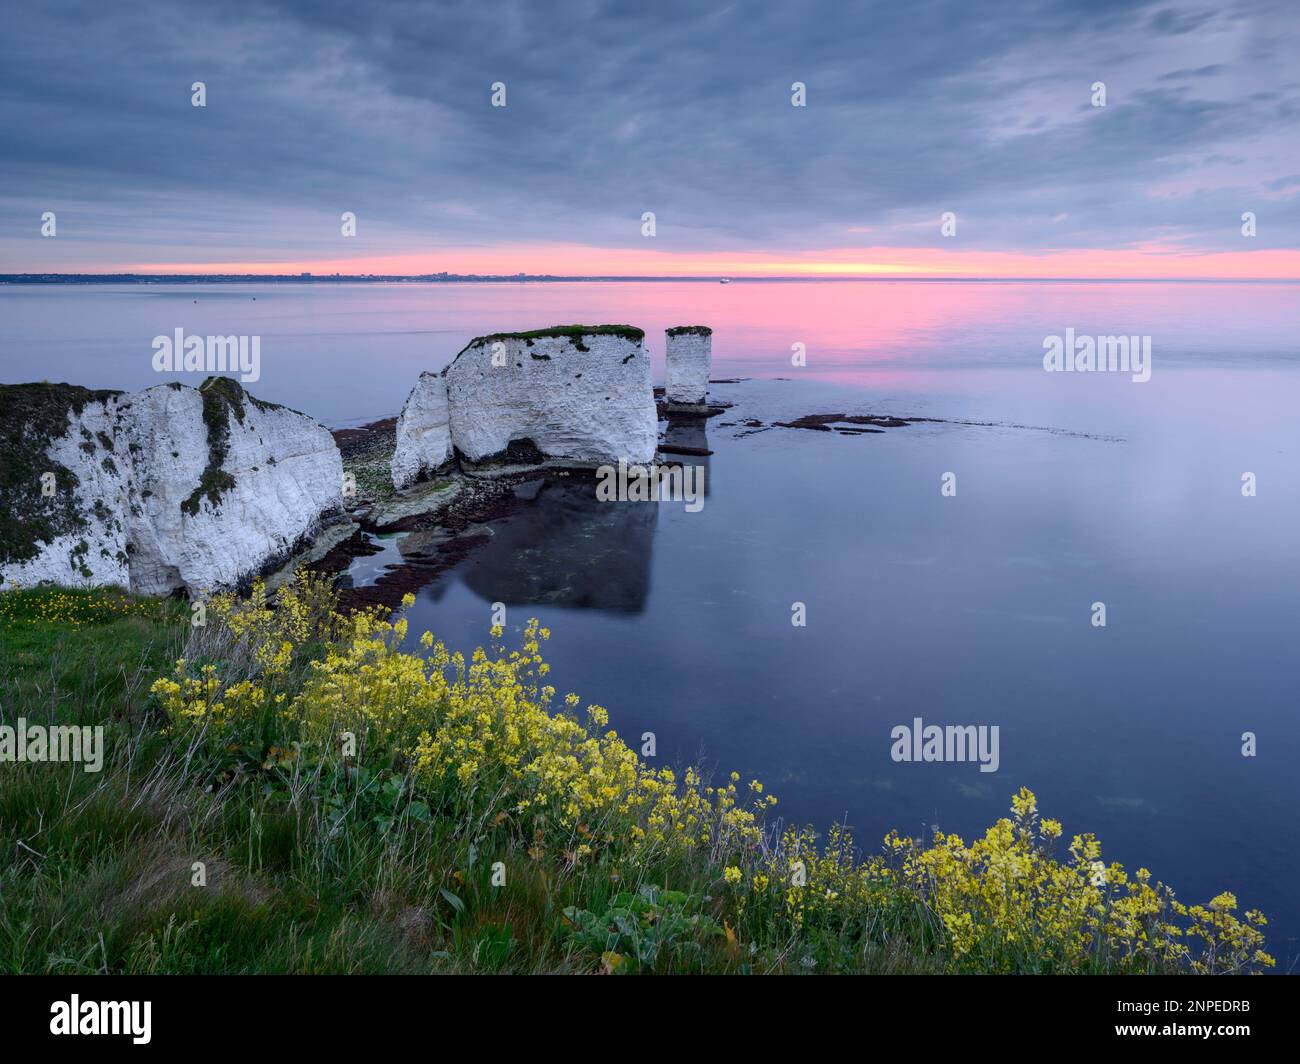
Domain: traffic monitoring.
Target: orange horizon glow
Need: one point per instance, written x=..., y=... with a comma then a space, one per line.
x=1150, y=262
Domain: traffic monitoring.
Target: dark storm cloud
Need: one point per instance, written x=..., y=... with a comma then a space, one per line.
x=618, y=108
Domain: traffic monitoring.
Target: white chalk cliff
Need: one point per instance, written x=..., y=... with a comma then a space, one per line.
x=161, y=490
x=64, y=495
x=580, y=393
x=213, y=514
x=176, y=488
x=423, y=432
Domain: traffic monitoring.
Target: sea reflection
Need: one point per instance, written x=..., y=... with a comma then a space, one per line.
x=685, y=442
x=565, y=548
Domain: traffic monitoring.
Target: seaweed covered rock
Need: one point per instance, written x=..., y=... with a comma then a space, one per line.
x=580, y=393
x=423, y=433
x=171, y=488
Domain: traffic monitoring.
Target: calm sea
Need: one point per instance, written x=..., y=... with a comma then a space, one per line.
x=975, y=608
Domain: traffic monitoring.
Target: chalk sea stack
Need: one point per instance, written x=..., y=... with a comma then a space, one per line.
x=572, y=393
x=689, y=357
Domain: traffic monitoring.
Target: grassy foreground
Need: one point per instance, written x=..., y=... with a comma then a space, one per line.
x=289, y=789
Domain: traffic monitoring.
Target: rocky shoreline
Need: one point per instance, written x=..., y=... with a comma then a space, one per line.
x=183, y=490
x=445, y=519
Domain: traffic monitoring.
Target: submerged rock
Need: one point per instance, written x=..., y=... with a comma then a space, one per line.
x=423, y=433
x=578, y=392
x=171, y=488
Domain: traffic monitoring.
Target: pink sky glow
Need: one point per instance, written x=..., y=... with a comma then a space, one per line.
x=1151, y=261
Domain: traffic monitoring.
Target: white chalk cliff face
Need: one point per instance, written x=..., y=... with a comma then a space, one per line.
x=585, y=397
x=211, y=487
x=82, y=528
x=224, y=495
x=689, y=356
x=423, y=433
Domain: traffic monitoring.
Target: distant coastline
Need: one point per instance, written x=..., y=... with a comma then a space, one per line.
x=546, y=278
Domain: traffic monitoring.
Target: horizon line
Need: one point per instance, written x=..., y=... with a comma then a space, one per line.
x=447, y=277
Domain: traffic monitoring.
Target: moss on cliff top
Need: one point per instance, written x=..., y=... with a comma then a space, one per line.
x=627, y=332
x=219, y=393
x=576, y=333
x=32, y=416
x=692, y=330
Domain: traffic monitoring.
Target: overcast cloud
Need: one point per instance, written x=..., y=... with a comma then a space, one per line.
x=681, y=108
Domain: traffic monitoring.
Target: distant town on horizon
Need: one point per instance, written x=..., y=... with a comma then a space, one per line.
x=547, y=278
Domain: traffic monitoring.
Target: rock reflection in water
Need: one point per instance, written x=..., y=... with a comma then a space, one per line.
x=685, y=441
x=567, y=548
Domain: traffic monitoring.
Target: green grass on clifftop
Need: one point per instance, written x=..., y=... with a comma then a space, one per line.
x=472, y=829
x=627, y=332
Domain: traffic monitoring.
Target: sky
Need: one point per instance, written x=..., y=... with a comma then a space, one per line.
x=681, y=109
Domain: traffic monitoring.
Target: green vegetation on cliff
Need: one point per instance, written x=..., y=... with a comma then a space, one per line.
x=291, y=789
x=222, y=397
x=32, y=416
x=570, y=332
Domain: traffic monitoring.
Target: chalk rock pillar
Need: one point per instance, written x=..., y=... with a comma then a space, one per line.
x=689, y=353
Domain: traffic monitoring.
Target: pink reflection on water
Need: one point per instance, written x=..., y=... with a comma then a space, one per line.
x=886, y=330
